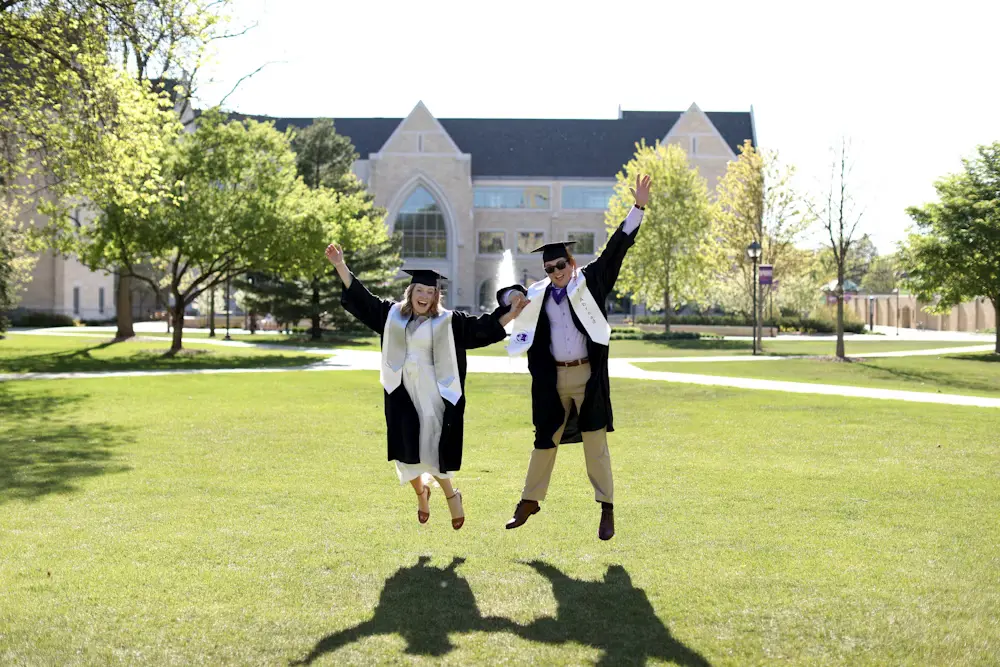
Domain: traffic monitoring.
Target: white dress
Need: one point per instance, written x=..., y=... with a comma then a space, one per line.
x=421, y=385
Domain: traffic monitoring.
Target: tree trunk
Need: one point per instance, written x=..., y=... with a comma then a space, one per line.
x=840, y=320
x=253, y=322
x=996, y=323
x=316, y=333
x=123, y=309
x=667, y=308
x=178, y=313
x=211, y=314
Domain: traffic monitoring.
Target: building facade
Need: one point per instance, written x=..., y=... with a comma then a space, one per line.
x=906, y=312
x=461, y=191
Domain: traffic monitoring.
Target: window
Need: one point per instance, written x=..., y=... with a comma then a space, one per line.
x=591, y=197
x=694, y=145
x=76, y=300
x=100, y=300
x=528, y=241
x=422, y=225
x=584, y=242
x=491, y=243
x=531, y=196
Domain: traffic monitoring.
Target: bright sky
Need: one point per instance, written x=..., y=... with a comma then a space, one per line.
x=912, y=84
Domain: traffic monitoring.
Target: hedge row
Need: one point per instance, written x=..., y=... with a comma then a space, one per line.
x=787, y=323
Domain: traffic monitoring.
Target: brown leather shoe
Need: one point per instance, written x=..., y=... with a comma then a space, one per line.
x=524, y=509
x=607, y=528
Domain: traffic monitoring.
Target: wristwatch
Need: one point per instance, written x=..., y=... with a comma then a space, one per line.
x=641, y=208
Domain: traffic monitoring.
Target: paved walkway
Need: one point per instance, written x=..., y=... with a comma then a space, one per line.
x=618, y=368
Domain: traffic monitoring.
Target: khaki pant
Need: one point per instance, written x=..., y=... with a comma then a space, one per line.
x=571, y=382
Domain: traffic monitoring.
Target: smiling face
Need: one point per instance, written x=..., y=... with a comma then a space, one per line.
x=560, y=277
x=422, y=299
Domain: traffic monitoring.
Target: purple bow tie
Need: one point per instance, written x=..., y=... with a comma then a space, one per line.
x=558, y=293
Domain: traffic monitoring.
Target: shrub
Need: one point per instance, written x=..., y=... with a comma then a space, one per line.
x=37, y=318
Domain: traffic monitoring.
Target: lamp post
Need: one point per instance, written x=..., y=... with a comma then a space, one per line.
x=753, y=254
x=227, y=311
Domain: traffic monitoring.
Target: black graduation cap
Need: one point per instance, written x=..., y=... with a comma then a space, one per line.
x=551, y=251
x=428, y=277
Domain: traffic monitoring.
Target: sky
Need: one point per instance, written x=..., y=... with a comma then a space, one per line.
x=912, y=85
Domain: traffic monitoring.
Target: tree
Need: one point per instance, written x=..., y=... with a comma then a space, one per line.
x=69, y=121
x=324, y=158
x=308, y=289
x=675, y=255
x=801, y=282
x=954, y=254
x=15, y=262
x=861, y=258
x=756, y=202
x=235, y=206
x=881, y=277
x=100, y=76
x=840, y=218
x=312, y=290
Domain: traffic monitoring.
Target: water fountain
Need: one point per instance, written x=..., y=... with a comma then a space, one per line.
x=505, y=274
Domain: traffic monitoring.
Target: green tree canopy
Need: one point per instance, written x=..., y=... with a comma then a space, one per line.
x=954, y=253
x=756, y=202
x=675, y=253
x=236, y=206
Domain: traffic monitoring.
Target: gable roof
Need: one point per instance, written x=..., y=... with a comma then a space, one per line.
x=537, y=147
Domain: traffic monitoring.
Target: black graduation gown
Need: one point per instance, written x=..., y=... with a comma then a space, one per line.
x=547, y=412
x=401, y=417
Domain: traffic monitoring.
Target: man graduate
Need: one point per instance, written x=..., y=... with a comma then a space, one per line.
x=565, y=331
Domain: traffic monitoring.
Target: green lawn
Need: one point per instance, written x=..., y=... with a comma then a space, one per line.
x=717, y=347
x=973, y=374
x=66, y=354
x=253, y=519
x=362, y=342
x=619, y=348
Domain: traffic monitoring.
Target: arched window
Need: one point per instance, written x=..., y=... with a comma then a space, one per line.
x=421, y=223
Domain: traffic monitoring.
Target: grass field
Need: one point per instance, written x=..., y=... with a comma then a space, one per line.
x=971, y=374
x=619, y=348
x=253, y=519
x=69, y=354
x=713, y=348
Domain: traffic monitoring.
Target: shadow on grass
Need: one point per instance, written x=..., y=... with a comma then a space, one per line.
x=424, y=604
x=993, y=357
x=705, y=344
x=946, y=380
x=82, y=360
x=363, y=340
x=44, y=450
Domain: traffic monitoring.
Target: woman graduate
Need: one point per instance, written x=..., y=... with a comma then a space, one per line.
x=423, y=375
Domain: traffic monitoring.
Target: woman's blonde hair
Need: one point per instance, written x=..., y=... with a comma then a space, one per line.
x=406, y=307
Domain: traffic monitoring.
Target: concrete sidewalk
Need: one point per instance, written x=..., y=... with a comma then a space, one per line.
x=617, y=368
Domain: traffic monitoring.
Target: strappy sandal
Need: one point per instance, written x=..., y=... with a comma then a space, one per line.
x=422, y=516
x=456, y=507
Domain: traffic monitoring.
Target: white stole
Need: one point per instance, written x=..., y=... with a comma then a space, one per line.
x=443, y=350
x=581, y=301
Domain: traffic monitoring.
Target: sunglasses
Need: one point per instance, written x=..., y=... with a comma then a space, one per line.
x=558, y=266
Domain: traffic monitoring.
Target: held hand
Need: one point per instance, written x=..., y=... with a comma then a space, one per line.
x=335, y=254
x=641, y=190
x=518, y=304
